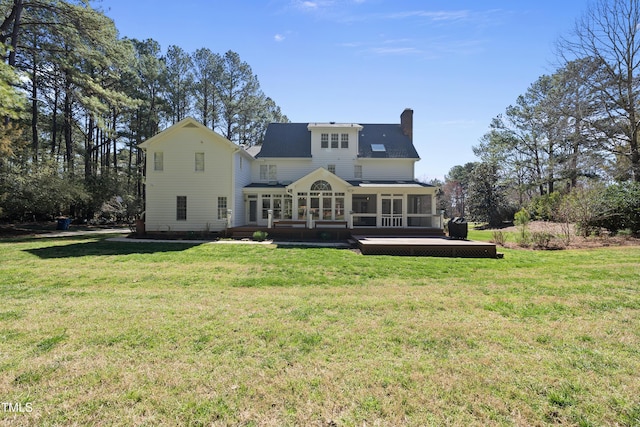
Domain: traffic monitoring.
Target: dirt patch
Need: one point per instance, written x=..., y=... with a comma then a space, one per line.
x=564, y=237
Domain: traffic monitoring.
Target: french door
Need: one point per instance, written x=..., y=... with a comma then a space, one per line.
x=391, y=210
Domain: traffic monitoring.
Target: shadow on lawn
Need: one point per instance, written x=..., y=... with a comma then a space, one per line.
x=105, y=248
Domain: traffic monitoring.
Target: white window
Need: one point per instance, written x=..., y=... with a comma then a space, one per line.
x=158, y=161
x=269, y=172
x=181, y=208
x=332, y=169
x=266, y=205
x=344, y=140
x=324, y=140
x=199, y=162
x=334, y=140
x=357, y=171
x=222, y=208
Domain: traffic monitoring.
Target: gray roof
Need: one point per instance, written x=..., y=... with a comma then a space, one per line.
x=286, y=140
x=397, y=145
x=387, y=183
x=294, y=140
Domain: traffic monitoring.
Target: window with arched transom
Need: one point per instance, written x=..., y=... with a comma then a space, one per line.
x=321, y=185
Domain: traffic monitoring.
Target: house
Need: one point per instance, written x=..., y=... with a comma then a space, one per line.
x=194, y=179
x=306, y=175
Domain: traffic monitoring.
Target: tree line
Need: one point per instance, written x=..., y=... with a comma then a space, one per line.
x=76, y=100
x=572, y=135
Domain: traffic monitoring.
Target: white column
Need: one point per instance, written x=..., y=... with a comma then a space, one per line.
x=405, y=209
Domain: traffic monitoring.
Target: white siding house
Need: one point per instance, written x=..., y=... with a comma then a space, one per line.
x=193, y=177
x=306, y=174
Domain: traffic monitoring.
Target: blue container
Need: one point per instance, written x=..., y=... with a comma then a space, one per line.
x=63, y=223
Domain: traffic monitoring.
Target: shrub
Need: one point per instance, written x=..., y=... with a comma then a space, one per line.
x=545, y=207
x=39, y=192
x=523, y=239
x=521, y=219
x=541, y=239
x=620, y=208
x=259, y=236
x=499, y=237
x=583, y=206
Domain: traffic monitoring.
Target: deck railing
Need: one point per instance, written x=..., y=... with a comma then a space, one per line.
x=391, y=221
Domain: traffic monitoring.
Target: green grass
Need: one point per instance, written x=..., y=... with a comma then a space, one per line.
x=100, y=333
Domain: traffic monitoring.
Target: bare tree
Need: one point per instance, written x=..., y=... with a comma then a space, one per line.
x=609, y=34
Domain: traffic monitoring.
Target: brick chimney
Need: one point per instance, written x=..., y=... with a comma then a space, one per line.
x=406, y=123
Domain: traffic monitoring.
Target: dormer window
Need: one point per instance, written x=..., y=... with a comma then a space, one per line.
x=324, y=140
x=344, y=140
x=334, y=140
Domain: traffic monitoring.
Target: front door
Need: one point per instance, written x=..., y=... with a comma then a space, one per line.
x=391, y=211
x=253, y=211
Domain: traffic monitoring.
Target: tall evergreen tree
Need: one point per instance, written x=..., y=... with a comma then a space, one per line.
x=178, y=83
x=207, y=81
x=487, y=199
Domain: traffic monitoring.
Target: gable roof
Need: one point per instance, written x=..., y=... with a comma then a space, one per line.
x=294, y=140
x=191, y=123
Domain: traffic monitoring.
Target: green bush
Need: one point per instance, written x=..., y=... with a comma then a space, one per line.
x=545, y=207
x=259, y=236
x=621, y=208
x=39, y=192
x=521, y=219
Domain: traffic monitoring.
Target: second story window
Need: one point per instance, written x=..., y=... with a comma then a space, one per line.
x=199, y=162
x=158, y=161
x=268, y=172
x=344, y=140
x=357, y=171
x=334, y=140
x=332, y=169
x=324, y=140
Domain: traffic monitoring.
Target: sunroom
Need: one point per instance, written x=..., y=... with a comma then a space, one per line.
x=322, y=199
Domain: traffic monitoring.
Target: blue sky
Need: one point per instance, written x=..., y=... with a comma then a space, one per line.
x=457, y=64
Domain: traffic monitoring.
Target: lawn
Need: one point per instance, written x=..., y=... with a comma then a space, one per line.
x=102, y=333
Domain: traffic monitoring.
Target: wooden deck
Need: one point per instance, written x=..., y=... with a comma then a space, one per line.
x=424, y=246
x=379, y=241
